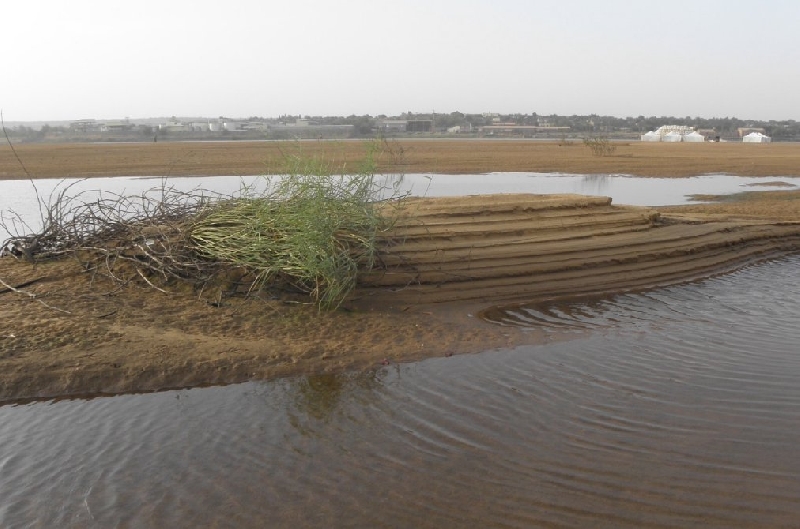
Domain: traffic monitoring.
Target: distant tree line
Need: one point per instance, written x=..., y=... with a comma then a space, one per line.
x=593, y=124
x=364, y=126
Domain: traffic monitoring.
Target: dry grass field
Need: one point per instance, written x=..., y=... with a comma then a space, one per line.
x=415, y=156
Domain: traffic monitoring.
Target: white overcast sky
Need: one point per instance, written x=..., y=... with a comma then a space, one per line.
x=105, y=59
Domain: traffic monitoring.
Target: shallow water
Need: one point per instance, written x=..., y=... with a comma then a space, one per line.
x=20, y=196
x=674, y=408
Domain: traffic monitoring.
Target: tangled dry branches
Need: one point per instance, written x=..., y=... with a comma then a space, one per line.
x=311, y=231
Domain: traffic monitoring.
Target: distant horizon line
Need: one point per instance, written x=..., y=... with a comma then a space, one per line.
x=306, y=116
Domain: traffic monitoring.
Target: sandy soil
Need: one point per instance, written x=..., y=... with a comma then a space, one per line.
x=65, y=333
x=409, y=156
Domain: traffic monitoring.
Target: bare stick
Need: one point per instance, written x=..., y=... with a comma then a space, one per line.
x=5, y=132
x=32, y=296
x=19, y=160
x=149, y=283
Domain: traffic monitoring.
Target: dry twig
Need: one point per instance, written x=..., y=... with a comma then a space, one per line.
x=32, y=296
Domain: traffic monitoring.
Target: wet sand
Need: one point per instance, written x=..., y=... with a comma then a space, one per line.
x=65, y=333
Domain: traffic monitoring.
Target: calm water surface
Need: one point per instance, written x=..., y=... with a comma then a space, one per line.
x=674, y=408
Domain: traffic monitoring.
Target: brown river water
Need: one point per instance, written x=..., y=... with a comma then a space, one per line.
x=678, y=407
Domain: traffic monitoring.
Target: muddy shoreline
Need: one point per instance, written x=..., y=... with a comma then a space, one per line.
x=65, y=333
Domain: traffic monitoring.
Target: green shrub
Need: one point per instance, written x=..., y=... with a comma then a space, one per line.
x=314, y=229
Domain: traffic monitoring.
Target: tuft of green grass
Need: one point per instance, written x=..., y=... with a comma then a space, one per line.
x=314, y=228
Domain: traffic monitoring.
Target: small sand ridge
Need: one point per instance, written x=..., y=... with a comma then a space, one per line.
x=511, y=247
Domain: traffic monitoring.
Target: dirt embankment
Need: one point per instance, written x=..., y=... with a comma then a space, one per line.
x=65, y=332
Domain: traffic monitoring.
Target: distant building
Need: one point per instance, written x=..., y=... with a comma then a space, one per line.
x=231, y=125
x=744, y=131
x=117, y=126
x=419, y=125
x=85, y=125
x=254, y=125
x=512, y=129
x=199, y=126
x=173, y=126
x=393, y=125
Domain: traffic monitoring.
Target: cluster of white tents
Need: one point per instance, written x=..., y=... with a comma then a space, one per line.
x=676, y=133
x=673, y=134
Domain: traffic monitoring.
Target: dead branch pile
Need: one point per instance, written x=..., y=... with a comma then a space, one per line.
x=148, y=233
x=306, y=234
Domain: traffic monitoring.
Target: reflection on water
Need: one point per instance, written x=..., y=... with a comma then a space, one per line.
x=674, y=408
x=320, y=397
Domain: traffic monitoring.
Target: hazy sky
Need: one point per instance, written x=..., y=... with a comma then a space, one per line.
x=104, y=59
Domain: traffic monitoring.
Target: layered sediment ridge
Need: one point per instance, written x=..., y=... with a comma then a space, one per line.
x=494, y=248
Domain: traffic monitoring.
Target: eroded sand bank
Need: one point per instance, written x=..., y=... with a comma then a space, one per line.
x=63, y=332
x=447, y=259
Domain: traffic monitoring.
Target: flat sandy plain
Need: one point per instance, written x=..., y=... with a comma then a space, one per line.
x=79, y=337
x=433, y=155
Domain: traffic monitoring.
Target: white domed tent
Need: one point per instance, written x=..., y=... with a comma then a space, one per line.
x=651, y=136
x=756, y=137
x=694, y=137
x=672, y=137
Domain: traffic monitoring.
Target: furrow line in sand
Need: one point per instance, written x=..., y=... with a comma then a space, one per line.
x=419, y=207
x=518, y=225
x=459, y=248
x=581, y=222
x=438, y=218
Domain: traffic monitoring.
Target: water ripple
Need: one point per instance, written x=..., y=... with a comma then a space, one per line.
x=676, y=407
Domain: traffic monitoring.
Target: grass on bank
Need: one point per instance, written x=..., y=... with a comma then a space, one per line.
x=313, y=230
